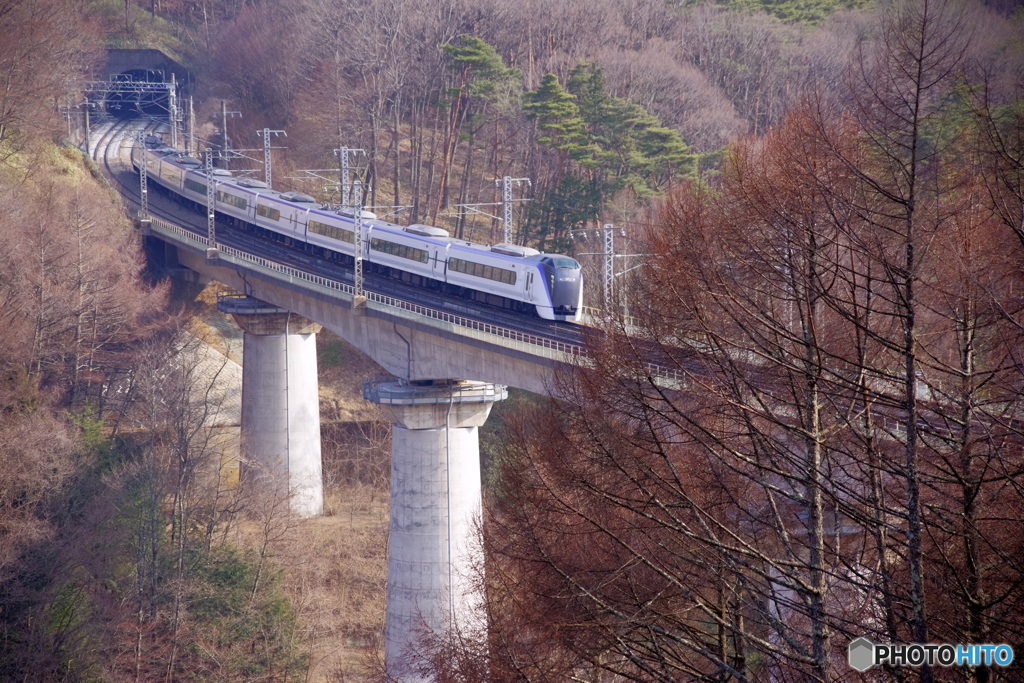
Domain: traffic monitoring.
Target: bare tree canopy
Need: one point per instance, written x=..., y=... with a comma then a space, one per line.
x=842, y=457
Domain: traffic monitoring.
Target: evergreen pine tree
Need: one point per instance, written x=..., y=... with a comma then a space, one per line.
x=484, y=73
x=558, y=119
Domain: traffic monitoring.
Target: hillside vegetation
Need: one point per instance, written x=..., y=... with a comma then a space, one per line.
x=126, y=550
x=603, y=105
x=829, y=198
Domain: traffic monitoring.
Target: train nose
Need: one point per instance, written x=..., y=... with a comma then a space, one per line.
x=567, y=291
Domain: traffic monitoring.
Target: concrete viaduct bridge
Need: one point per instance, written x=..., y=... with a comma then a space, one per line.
x=451, y=369
x=435, y=496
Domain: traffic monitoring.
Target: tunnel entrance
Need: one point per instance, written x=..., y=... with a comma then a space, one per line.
x=141, y=83
x=139, y=92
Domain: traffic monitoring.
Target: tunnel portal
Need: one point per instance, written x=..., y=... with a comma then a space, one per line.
x=137, y=83
x=138, y=92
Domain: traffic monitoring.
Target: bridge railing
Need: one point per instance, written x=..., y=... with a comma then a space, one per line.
x=292, y=273
x=480, y=326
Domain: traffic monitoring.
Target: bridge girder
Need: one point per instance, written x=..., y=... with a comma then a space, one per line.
x=404, y=344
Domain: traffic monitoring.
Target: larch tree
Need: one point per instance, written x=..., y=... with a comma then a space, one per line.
x=837, y=453
x=46, y=50
x=903, y=200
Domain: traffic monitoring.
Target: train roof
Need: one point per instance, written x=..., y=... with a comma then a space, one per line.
x=349, y=213
x=251, y=183
x=554, y=260
x=513, y=250
x=425, y=230
x=298, y=198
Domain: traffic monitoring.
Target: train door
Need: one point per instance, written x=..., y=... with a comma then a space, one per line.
x=436, y=261
x=529, y=285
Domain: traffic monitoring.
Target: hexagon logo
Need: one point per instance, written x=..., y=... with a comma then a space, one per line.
x=862, y=654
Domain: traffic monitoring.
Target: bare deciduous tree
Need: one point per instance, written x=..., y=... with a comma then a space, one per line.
x=839, y=456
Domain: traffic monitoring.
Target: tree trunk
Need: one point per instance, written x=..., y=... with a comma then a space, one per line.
x=463, y=185
x=398, y=151
x=450, y=143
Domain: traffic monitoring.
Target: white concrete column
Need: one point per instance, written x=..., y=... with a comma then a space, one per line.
x=280, y=421
x=434, y=558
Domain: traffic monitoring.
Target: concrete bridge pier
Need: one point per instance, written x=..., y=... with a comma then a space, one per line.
x=280, y=424
x=433, y=554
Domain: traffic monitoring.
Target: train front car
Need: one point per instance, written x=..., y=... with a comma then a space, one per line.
x=564, y=280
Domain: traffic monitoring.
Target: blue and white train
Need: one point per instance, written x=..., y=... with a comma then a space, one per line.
x=504, y=275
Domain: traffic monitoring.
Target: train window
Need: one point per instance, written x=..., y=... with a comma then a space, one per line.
x=484, y=271
x=268, y=212
x=332, y=232
x=399, y=250
x=198, y=188
x=565, y=263
x=237, y=202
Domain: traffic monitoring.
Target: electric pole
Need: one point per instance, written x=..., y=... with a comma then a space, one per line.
x=140, y=145
x=224, y=115
x=359, y=296
x=190, y=138
x=609, y=264
x=506, y=202
x=607, y=234
x=343, y=162
x=211, y=216
x=172, y=109
x=266, y=133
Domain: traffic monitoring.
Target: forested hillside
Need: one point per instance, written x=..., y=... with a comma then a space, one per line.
x=121, y=557
x=603, y=105
x=829, y=198
x=841, y=456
